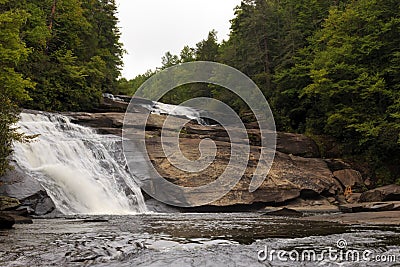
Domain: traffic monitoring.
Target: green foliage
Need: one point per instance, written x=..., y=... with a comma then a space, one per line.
x=13, y=85
x=76, y=54
x=355, y=79
x=129, y=87
x=54, y=55
x=205, y=50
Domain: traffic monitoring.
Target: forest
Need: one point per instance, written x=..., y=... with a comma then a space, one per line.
x=55, y=55
x=329, y=69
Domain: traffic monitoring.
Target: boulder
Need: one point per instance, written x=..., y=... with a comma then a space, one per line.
x=353, y=198
x=369, y=207
x=378, y=207
x=385, y=193
x=349, y=177
x=351, y=208
x=113, y=105
x=18, y=218
x=6, y=221
x=337, y=164
x=297, y=144
x=40, y=202
x=19, y=185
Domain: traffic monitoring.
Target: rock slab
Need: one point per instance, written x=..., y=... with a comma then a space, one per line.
x=385, y=193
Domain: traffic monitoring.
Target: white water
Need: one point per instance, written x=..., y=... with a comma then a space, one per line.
x=188, y=112
x=83, y=172
x=165, y=109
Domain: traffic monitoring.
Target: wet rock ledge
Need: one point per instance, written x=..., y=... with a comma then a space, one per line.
x=298, y=173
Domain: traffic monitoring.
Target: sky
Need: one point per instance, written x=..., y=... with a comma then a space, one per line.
x=150, y=28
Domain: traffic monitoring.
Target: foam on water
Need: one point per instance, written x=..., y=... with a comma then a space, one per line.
x=83, y=172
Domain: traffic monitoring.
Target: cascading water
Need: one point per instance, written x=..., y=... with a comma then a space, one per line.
x=83, y=172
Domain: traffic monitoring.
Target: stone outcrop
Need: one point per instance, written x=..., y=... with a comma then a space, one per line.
x=27, y=190
x=385, y=193
x=349, y=177
x=297, y=144
x=112, y=122
x=297, y=170
x=289, y=177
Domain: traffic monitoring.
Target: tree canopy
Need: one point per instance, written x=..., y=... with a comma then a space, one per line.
x=55, y=55
x=329, y=69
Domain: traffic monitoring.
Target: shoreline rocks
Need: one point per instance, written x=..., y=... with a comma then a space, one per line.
x=297, y=170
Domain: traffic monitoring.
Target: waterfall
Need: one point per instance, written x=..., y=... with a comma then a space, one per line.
x=83, y=172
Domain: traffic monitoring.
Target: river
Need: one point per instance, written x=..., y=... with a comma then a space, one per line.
x=178, y=239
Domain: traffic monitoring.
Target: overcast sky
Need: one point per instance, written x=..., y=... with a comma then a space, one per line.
x=152, y=27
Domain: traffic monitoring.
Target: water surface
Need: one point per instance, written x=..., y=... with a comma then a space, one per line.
x=184, y=240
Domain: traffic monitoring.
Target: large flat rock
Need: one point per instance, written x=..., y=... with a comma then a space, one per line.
x=296, y=169
x=290, y=176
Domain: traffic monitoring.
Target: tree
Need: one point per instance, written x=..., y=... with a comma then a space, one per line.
x=207, y=49
x=355, y=78
x=12, y=84
x=76, y=54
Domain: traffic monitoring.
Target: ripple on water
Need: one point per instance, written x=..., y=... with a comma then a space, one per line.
x=179, y=240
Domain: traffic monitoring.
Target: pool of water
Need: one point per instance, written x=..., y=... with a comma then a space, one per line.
x=221, y=239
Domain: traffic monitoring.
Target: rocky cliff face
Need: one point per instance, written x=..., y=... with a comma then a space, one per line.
x=297, y=170
x=297, y=173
